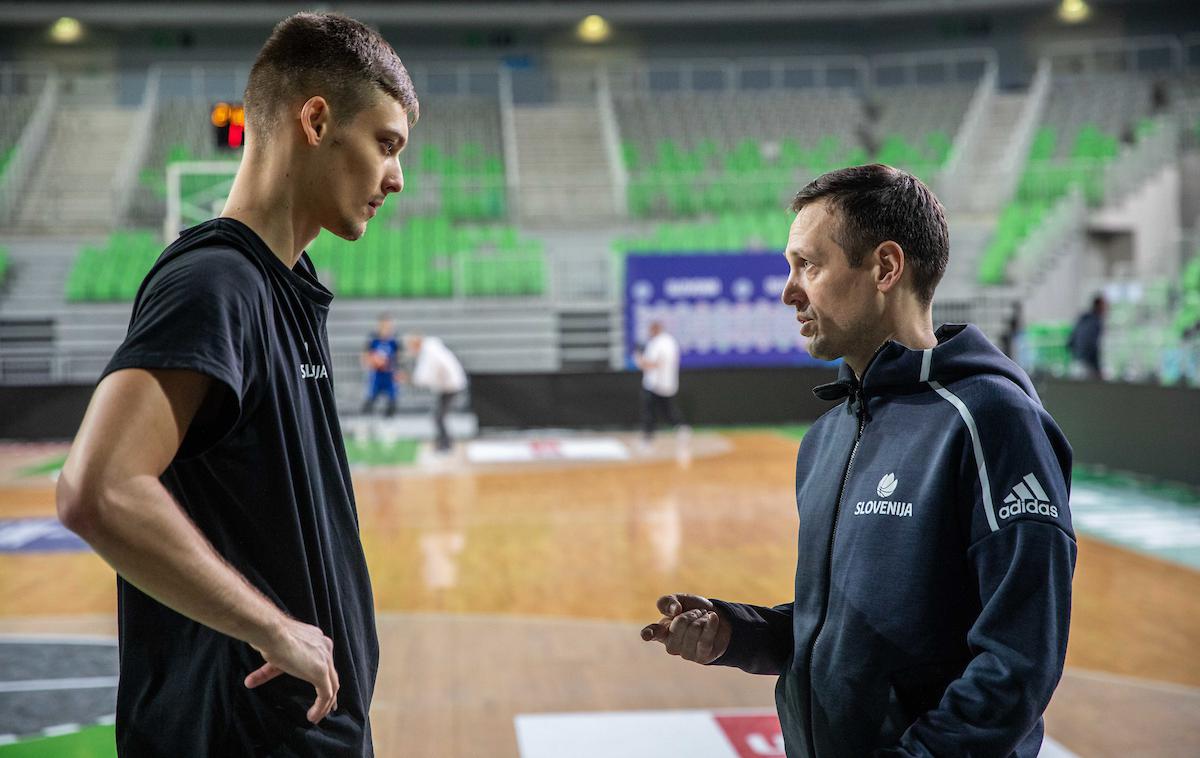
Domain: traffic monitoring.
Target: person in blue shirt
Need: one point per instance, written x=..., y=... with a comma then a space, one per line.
x=932, y=593
x=379, y=360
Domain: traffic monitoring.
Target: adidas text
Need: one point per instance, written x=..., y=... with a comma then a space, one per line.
x=1042, y=509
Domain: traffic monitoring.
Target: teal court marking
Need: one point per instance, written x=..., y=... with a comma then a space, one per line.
x=1155, y=518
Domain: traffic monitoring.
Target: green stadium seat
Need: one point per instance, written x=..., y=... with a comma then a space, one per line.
x=1191, y=276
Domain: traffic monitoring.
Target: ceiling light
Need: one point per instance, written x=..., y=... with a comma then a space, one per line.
x=66, y=31
x=593, y=29
x=1074, y=11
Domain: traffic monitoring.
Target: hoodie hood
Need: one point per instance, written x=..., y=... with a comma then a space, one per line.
x=962, y=351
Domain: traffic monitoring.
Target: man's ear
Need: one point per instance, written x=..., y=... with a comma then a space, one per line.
x=314, y=119
x=889, y=265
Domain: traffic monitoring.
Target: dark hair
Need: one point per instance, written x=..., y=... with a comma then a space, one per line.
x=878, y=203
x=325, y=54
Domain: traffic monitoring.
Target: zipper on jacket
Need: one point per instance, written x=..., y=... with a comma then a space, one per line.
x=857, y=395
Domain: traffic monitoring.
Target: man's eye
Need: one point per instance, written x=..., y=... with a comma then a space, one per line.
x=388, y=146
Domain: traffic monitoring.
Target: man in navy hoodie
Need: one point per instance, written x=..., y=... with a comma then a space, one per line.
x=933, y=581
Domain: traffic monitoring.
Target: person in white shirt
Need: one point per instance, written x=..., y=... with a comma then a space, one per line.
x=436, y=369
x=659, y=362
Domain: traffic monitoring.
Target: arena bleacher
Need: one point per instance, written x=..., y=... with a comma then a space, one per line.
x=700, y=169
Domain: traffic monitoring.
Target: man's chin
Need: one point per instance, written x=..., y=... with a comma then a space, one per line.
x=351, y=232
x=817, y=349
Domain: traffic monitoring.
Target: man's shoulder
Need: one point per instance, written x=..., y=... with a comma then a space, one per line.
x=218, y=269
x=219, y=259
x=995, y=402
x=992, y=390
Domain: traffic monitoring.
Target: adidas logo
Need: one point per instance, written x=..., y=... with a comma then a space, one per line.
x=1028, y=497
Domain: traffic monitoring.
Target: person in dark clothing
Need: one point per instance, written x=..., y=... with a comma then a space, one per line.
x=1084, y=341
x=209, y=470
x=936, y=552
x=1012, y=330
x=1160, y=97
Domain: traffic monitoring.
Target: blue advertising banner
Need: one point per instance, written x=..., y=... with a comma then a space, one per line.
x=724, y=310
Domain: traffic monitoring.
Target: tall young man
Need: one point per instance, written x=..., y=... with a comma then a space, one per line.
x=209, y=470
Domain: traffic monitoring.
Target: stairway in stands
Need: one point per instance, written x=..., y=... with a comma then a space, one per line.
x=564, y=172
x=71, y=190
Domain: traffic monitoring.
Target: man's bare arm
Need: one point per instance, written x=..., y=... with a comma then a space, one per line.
x=110, y=494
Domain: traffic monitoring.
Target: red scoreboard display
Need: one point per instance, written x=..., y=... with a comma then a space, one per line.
x=229, y=124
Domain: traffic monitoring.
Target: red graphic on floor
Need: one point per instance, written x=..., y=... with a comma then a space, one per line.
x=753, y=735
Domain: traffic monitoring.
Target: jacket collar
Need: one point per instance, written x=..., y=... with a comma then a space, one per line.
x=895, y=367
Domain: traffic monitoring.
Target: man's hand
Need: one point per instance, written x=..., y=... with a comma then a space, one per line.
x=690, y=627
x=304, y=652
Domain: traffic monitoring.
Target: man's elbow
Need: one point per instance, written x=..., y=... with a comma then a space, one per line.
x=80, y=502
x=74, y=510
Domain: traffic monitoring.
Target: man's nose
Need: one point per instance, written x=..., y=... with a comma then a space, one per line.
x=793, y=294
x=394, y=182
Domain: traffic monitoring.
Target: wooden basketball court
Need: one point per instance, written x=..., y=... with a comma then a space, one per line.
x=519, y=588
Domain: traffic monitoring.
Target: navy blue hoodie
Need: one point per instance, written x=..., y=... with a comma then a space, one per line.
x=933, y=580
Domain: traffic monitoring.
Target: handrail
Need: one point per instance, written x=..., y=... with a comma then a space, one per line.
x=218, y=79
x=29, y=146
x=909, y=62
x=950, y=179
x=138, y=146
x=1015, y=153
x=508, y=134
x=817, y=67
x=612, y=142
x=636, y=75
x=1086, y=52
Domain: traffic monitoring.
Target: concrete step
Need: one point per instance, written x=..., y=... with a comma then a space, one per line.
x=71, y=189
x=563, y=166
